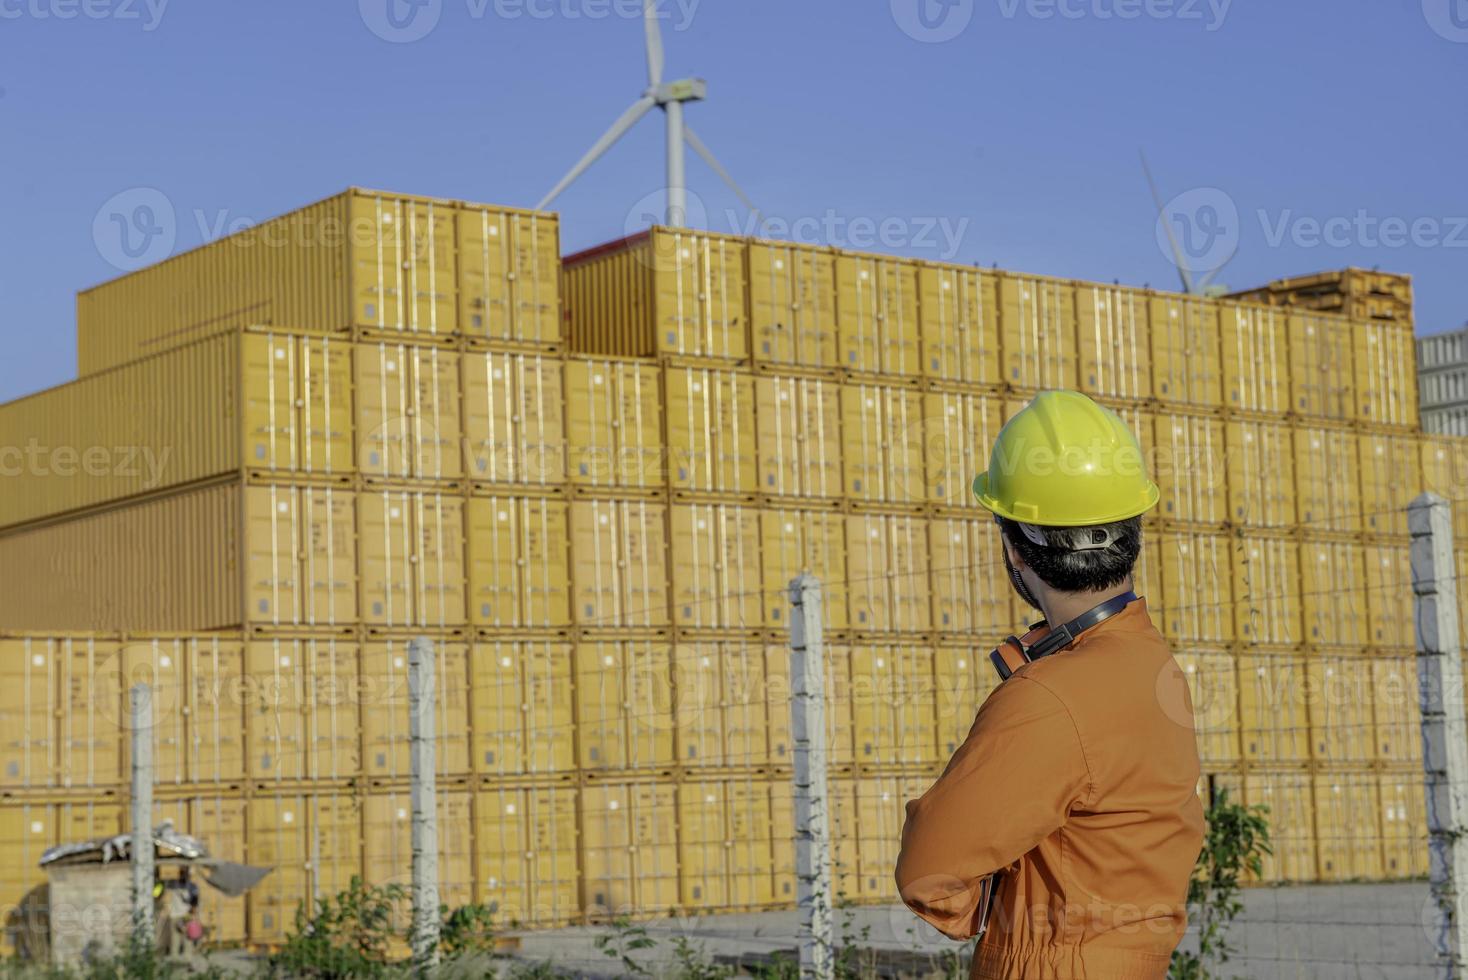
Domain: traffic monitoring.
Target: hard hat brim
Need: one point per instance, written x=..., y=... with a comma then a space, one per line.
x=990, y=503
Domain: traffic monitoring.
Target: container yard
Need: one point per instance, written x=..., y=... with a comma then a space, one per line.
x=595, y=514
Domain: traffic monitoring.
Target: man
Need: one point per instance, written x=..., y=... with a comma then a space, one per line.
x=1077, y=783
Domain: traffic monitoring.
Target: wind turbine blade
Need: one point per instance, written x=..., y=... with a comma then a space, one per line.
x=655, y=58
x=708, y=157
x=1177, y=252
x=619, y=129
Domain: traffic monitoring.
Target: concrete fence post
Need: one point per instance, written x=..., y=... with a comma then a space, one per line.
x=808, y=738
x=1444, y=727
x=141, y=709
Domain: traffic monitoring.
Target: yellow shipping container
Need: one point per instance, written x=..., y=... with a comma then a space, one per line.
x=1347, y=828
x=1197, y=604
x=408, y=412
x=1389, y=618
x=959, y=310
x=1112, y=331
x=877, y=314
x=1322, y=367
x=732, y=703
x=965, y=556
x=629, y=849
x=887, y=573
x=1267, y=603
x=62, y=713
x=795, y=541
x=792, y=305
x=959, y=429
x=214, y=558
x=881, y=803
x=613, y=423
x=526, y=852
x=775, y=698
x=1396, y=710
x=725, y=844
x=1213, y=681
x=387, y=818
x=1261, y=473
x=1287, y=795
x=1403, y=815
x=304, y=709
x=1333, y=580
x=411, y=559
x=1186, y=357
x=1445, y=473
x=619, y=577
x=710, y=431
x=1255, y=359
x=715, y=571
x=624, y=704
x=799, y=436
x=1274, y=709
x=313, y=844
x=200, y=693
x=1189, y=463
x=1327, y=478
x=521, y=707
x=1386, y=372
x=1392, y=475
x=963, y=679
x=882, y=442
x=1037, y=326
x=662, y=291
x=27, y=829
x=894, y=705
x=1342, y=695
x=385, y=711
x=519, y=562
x=514, y=418
x=386, y=263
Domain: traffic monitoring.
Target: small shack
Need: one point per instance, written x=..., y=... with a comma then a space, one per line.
x=89, y=905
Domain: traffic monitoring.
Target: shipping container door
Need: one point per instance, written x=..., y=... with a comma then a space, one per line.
x=715, y=566
x=1037, y=322
x=877, y=314
x=1188, y=462
x=887, y=570
x=1186, y=358
x=619, y=577
x=792, y=294
x=882, y=435
x=613, y=424
x=699, y=295
x=710, y=430
x=795, y=541
x=30, y=671
x=958, y=431
x=1112, y=332
x=509, y=276
x=1261, y=473
x=514, y=419
x=1266, y=601
x=408, y=403
x=518, y=554
x=799, y=436
x=959, y=324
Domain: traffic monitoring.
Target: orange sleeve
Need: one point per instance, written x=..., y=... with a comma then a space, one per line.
x=1008, y=787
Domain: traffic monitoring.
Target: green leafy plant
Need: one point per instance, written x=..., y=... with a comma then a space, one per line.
x=622, y=940
x=1235, y=844
x=346, y=935
x=693, y=962
x=466, y=930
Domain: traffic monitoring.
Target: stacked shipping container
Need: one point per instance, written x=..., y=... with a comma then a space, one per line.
x=367, y=441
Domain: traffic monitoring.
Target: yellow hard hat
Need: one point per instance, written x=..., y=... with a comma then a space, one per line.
x=1065, y=461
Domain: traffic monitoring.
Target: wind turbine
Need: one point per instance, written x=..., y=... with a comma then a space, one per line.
x=670, y=97
x=1204, y=288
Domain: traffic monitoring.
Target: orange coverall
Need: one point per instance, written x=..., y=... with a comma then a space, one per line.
x=1079, y=781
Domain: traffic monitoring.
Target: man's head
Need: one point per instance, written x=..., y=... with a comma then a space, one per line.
x=1067, y=486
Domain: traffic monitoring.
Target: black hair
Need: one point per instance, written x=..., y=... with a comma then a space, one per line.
x=1079, y=571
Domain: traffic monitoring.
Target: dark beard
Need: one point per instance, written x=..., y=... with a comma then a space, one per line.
x=1019, y=584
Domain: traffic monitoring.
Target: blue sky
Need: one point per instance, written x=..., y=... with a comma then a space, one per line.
x=973, y=130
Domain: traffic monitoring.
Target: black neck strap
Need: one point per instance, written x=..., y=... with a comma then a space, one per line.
x=1063, y=636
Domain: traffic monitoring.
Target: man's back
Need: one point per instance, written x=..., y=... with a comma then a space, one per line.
x=1079, y=777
